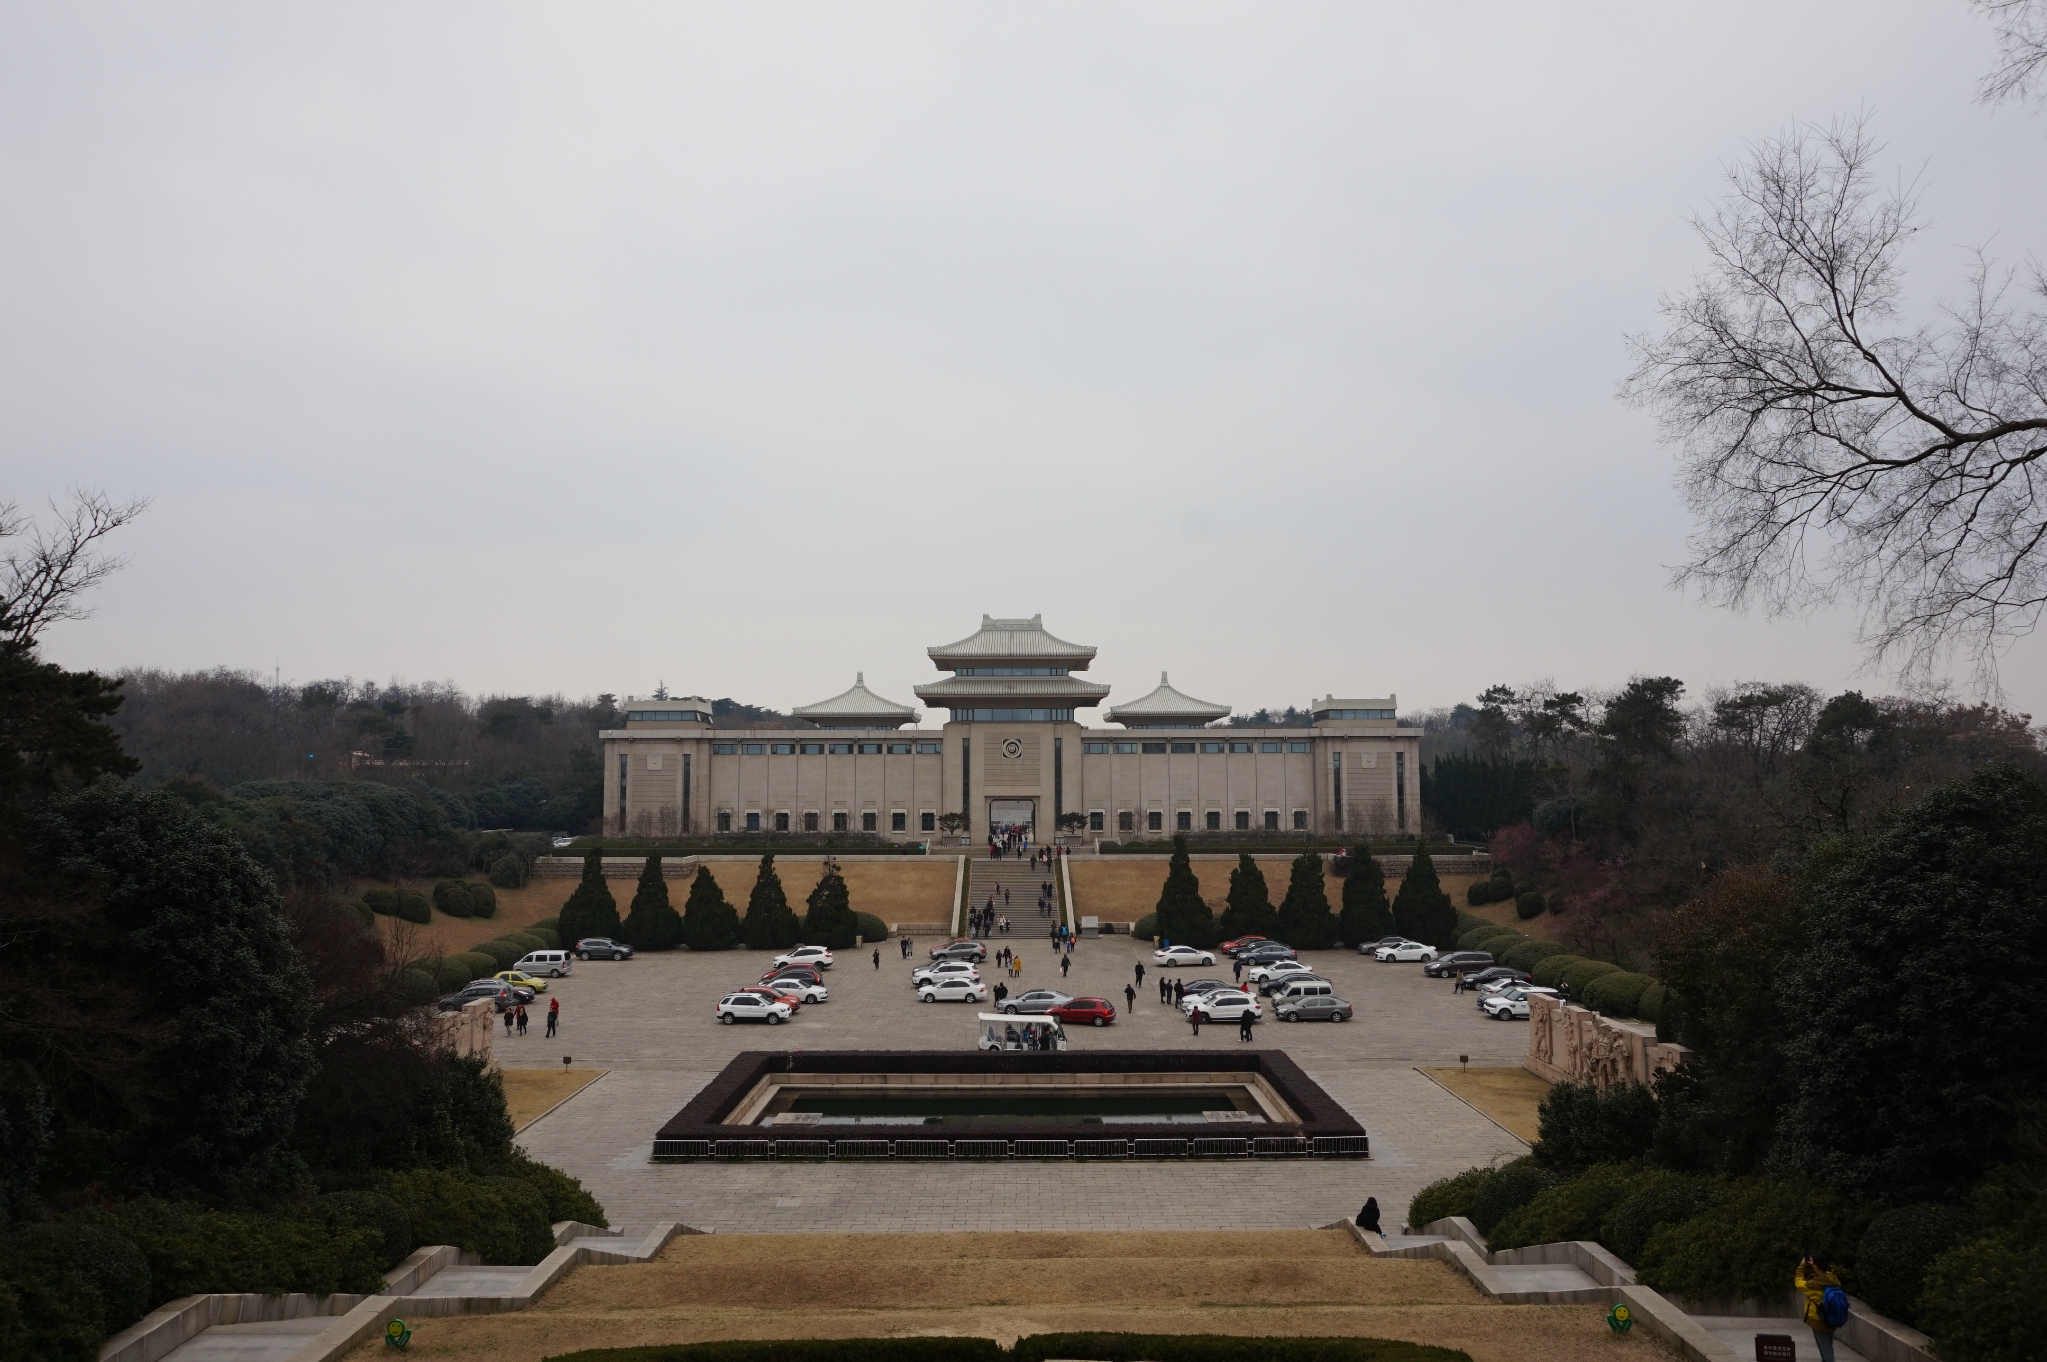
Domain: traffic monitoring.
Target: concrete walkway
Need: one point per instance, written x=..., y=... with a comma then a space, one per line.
x=272, y=1341
x=1739, y=1332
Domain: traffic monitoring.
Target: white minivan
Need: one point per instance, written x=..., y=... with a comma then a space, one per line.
x=553, y=964
x=1304, y=988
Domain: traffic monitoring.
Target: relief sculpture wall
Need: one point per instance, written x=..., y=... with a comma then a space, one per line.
x=1572, y=1044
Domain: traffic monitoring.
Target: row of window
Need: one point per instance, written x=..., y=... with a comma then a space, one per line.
x=1356, y=713
x=1012, y=716
x=1181, y=748
x=1183, y=821
x=819, y=749
x=666, y=716
x=898, y=821
x=1009, y=671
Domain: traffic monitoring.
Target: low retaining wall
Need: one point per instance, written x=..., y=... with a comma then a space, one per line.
x=619, y=867
x=1572, y=1044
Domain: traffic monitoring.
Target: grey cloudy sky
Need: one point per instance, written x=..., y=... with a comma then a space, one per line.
x=574, y=347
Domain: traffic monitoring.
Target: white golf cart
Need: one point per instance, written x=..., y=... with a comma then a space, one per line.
x=1000, y=1031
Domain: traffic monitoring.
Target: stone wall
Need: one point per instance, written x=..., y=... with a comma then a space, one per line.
x=1572, y=1044
x=615, y=867
x=469, y=1031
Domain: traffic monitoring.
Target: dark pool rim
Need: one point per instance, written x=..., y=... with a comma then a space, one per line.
x=1326, y=1130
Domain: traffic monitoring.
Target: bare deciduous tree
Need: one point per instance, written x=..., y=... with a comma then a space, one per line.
x=2021, y=27
x=42, y=579
x=1829, y=446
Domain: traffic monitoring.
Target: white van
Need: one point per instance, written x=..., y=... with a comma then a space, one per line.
x=1305, y=988
x=553, y=964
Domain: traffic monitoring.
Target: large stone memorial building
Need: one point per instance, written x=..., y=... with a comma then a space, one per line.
x=1013, y=753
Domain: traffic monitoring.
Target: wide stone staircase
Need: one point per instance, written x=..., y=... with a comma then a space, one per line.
x=990, y=875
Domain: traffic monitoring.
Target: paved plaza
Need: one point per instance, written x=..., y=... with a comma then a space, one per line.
x=650, y=1023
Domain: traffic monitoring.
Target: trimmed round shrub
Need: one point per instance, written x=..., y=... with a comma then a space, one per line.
x=1497, y=940
x=1507, y=1190
x=1739, y=1245
x=1649, y=1007
x=1580, y=1126
x=483, y=901
x=1556, y=901
x=1528, y=905
x=502, y=951
x=1579, y=977
x=452, y=898
x=451, y=974
x=368, y=1210
x=101, y=1271
x=565, y=1197
x=507, y=873
x=1549, y=971
x=1147, y=928
x=549, y=938
x=1981, y=1297
x=417, y=987
x=1525, y=955
x=872, y=928
x=1469, y=937
x=1573, y=1209
x=1446, y=1197
x=477, y=964
x=472, y=1213
x=409, y=904
x=1897, y=1250
x=1670, y=1201
x=1617, y=994
x=547, y=924
x=527, y=942
x=1480, y=893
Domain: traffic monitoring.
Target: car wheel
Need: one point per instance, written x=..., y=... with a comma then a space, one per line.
x=554, y=974
x=774, y=1019
x=1011, y=1009
x=727, y=1018
x=1339, y=1016
x=927, y=997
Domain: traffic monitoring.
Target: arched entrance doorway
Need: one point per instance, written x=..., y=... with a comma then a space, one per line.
x=1007, y=816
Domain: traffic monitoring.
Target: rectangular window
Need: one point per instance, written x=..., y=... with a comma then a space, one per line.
x=1125, y=821
x=1155, y=821
x=927, y=821
x=839, y=822
x=1357, y=713
x=1271, y=746
x=1095, y=749
x=1156, y=749
x=1008, y=716
x=1300, y=820
x=899, y=749
x=930, y=749
x=810, y=822
x=870, y=749
x=1009, y=671
x=1126, y=747
x=724, y=820
x=1400, y=790
x=724, y=749
x=782, y=749
x=1243, y=820
x=753, y=749
x=839, y=749
x=753, y=822
x=1183, y=821
x=1272, y=820
x=810, y=749
x=1240, y=747
x=1336, y=782
x=1094, y=820
x=1215, y=820
x=781, y=822
x=1211, y=747
x=899, y=821
x=867, y=822
x=1300, y=747
x=1184, y=748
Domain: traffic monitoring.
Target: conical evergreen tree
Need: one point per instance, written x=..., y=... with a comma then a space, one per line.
x=1250, y=911
x=1421, y=910
x=709, y=922
x=653, y=924
x=1184, y=918
x=830, y=921
x=590, y=911
x=1366, y=916
x=770, y=923
x=1305, y=922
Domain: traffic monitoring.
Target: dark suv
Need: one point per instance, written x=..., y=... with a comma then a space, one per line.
x=602, y=948
x=1494, y=975
x=1457, y=962
x=499, y=994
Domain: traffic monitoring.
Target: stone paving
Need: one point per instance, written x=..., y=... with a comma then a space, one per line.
x=649, y=1021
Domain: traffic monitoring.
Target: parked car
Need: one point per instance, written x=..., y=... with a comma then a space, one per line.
x=1273, y=969
x=1372, y=946
x=1313, y=1007
x=1500, y=986
x=1406, y=950
x=519, y=995
x=1264, y=951
x=519, y=978
x=821, y=956
x=1301, y=986
x=1222, y=1004
x=1241, y=943
x=1169, y=956
x=1512, y=1005
x=602, y=948
x=1496, y=975
x=1275, y=984
x=1457, y=962
x=560, y=842
x=1093, y=1011
x=499, y=994
x=775, y=995
x=944, y=969
x=1205, y=986
x=554, y=964
x=1037, y=1000
x=961, y=949
x=952, y=989
x=737, y=1007
x=803, y=986
x=810, y=972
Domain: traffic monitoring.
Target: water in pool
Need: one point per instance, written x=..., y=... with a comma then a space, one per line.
x=1145, y=1108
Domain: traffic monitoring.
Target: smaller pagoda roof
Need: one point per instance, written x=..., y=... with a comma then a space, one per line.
x=1165, y=706
x=1021, y=639
x=856, y=706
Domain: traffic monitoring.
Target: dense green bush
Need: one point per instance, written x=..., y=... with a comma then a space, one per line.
x=564, y=1195
x=1184, y=916
x=1579, y=977
x=1748, y=1241
x=872, y=928
x=1579, y=1125
x=368, y=1210
x=1223, y=1348
x=409, y=904
x=549, y=938
x=1511, y=1187
x=1479, y=894
x=1446, y=1197
x=506, y=872
x=51, y=1306
x=590, y=910
x=1649, y=1007
x=418, y=987
x=193, y=1249
x=1526, y=955
x=1147, y=928
x=1617, y=994
x=1421, y=910
x=1899, y=1247
x=528, y=1208
x=709, y=922
x=101, y=1267
x=652, y=924
x=547, y=924
x=1549, y=971
x=927, y=1349
x=1668, y=1200
x=829, y=919
x=770, y=923
x=504, y=952
x=461, y=898
x=472, y=1213
x=1469, y=937
x=1982, y=1298
x=1573, y=1208
x=527, y=942
x=451, y=973
x=1528, y=905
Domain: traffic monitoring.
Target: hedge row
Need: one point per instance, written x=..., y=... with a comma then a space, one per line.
x=408, y=904
x=460, y=898
x=1031, y=1348
x=457, y=971
x=1596, y=984
x=872, y=928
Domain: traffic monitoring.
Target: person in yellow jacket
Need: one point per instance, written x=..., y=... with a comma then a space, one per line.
x=1815, y=1275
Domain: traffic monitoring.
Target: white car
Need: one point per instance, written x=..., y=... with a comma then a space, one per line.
x=1182, y=955
x=945, y=969
x=801, y=987
x=1277, y=969
x=1406, y=950
x=1221, y=1005
x=1511, y=1005
x=820, y=956
x=736, y=1007
x=954, y=990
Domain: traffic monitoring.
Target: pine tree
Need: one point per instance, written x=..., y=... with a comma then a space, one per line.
x=1305, y=922
x=830, y=921
x=1184, y=918
x=590, y=911
x=709, y=922
x=770, y=923
x=653, y=924
x=1366, y=916
x=1421, y=910
x=1250, y=911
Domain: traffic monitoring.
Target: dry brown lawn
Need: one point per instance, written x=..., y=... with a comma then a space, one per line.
x=1119, y=890
x=1003, y=1286
x=530, y=1093
x=1507, y=1095
x=920, y=890
x=1548, y=927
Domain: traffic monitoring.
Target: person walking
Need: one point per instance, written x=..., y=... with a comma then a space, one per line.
x=1368, y=1216
x=1129, y=997
x=1065, y=963
x=906, y=947
x=1237, y=970
x=1244, y=1025
x=1165, y=989
x=522, y=1019
x=509, y=1021
x=1815, y=1278
x=1195, y=1018
x=877, y=959
x=1179, y=991
x=554, y=1012
x=1140, y=973
x=1001, y=991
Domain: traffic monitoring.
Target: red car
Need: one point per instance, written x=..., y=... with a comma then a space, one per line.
x=815, y=975
x=1098, y=1011
x=1228, y=946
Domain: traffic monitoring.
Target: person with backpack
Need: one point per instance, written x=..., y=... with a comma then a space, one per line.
x=1826, y=1304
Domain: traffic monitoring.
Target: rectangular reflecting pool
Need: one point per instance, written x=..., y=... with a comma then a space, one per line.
x=984, y=1105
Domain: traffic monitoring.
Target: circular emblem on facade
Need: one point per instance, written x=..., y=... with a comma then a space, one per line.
x=1012, y=748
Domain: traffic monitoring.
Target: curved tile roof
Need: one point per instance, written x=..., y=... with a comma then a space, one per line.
x=997, y=639
x=856, y=702
x=1166, y=703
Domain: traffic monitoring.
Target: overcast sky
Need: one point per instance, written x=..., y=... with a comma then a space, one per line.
x=580, y=347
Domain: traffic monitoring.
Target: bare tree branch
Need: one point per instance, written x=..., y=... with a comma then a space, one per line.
x=42, y=579
x=2021, y=29
x=1825, y=447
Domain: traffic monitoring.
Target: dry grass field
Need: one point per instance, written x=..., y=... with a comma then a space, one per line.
x=1548, y=927
x=1117, y=889
x=1506, y=1095
x=1006, y=1285
x=531, y=1093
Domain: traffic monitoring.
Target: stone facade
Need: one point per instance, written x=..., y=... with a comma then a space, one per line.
x=1572, y=1044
